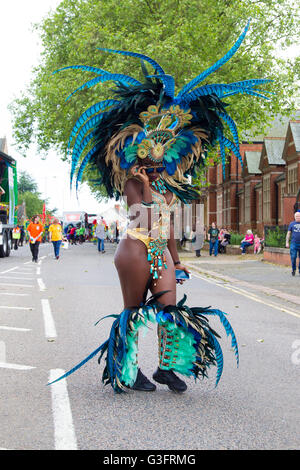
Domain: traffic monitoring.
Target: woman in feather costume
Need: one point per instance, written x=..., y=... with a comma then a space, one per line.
x=145, y=142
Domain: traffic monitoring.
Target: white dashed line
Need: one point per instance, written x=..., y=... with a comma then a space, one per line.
x=41, y=284
x=17, y=278
x=64, y=433
x=16, y=308
x=8, y=270
x=50, y=331
x=7, y=365
x=13, y=293
x=17, y=285
x=13, y=328
x=38, y=271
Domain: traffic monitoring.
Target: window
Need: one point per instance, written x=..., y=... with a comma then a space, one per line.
x=282, y=189
x=259, y=195
x=266, y=198
x=293, y=179
x=219, y=209
x=247, y=203
x=226, y=220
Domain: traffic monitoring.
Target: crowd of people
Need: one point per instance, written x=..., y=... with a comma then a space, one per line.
x=219, y=239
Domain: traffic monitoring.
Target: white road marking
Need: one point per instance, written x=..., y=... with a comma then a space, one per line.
x=18, y=278
x=27, y=262
x=64, y=433
x=16, y=308
x=7, y=365
x=50, y=330
x=8, y=270
x=41, y=284
x=38, y=271
x=13, y=293
x=250, y=296
x=13, y=328
x=17, y=285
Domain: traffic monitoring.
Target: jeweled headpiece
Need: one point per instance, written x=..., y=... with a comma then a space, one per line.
x=147, y=120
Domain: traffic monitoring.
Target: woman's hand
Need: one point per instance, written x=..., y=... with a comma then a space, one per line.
x=139, y=171
x=181, y=268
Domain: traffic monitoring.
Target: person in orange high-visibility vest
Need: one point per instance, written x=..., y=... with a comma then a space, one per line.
x=35, y=230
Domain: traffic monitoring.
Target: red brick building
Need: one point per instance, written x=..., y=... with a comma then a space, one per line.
x=263, y=192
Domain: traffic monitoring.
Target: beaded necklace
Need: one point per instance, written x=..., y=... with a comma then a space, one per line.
x=159, y=185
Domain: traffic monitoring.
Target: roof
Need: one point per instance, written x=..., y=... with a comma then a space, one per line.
x=277, y=128
x=295, y=128
x=274, y=148
x=252, y=160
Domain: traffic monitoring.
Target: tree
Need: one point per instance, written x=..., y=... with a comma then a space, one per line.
x=184, y=36
x=33, y=204
x=26, y=183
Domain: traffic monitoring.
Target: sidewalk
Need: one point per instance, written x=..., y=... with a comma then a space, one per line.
x=248, y=271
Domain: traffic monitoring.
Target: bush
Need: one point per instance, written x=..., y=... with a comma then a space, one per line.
x=275, y=237
x=236, y=238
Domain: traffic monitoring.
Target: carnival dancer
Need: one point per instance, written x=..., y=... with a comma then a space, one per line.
x=144, y=143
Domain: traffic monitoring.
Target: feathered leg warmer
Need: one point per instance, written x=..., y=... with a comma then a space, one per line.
x=187, y=343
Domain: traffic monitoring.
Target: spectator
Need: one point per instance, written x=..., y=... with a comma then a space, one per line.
x=22, y=236
x=16, y=235
x=35, y=230
x=213, y=234
x=294, y=230
x=197, y=239
x=247, y=241
x=256, y=244
x=225, y=241
x=100, y=234
x=55, y=236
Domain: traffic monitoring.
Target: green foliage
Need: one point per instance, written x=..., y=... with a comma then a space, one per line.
x=184, y=36
x=236, y=238
x=34, y=205
x=275, y=237
x=26, y=183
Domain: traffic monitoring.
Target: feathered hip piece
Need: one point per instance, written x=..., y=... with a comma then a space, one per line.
x=187, y=343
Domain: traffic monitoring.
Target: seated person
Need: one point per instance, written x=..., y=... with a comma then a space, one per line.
x=247, y=241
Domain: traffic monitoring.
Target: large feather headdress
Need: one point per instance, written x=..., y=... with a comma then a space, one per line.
x=147, y=120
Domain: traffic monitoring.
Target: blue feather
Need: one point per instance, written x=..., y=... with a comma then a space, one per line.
x=234, y=149
x=219, y=357
x=169, y=83
x=216, y=66
x=86, y=68
x=154, y=64
x=85, y=162
x=232, y=127
x=228, y=329
x=103, y=345
x=96, y=108
x=89, y=125
x=222, y=151
x=117, y=77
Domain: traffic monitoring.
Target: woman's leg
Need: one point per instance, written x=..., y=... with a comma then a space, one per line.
x=133, y=270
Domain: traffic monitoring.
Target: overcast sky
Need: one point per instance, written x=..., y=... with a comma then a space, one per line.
x=19, y=53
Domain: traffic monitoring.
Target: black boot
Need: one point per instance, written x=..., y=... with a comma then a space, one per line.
x=142, y=383
x=167, y=377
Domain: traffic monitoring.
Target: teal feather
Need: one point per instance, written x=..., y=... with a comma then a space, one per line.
x=215, y=66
